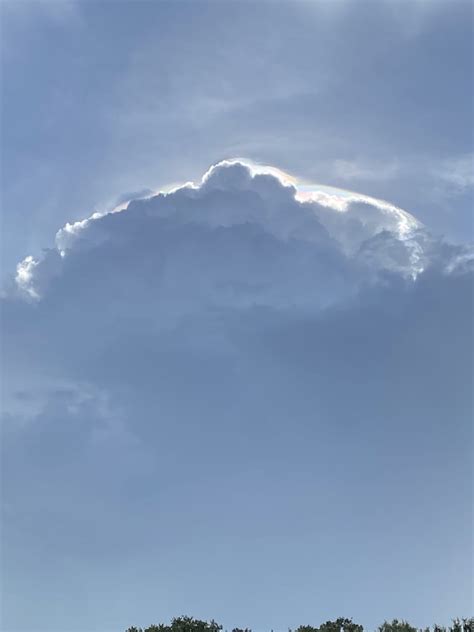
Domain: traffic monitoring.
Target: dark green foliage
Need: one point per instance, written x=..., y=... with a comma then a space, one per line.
x=396, y=626
x=181, y=624
x=189, y=624
x=339, y=625
x=459, y=625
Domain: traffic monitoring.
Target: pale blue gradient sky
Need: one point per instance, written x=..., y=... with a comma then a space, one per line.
x=225, y=402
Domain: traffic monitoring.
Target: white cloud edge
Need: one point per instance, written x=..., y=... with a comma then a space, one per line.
x=330, y=197
x=335, y=199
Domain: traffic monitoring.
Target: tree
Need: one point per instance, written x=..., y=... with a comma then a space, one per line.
x=396, y=626
x=189, y=624
x=339, y=625
x=182, y=624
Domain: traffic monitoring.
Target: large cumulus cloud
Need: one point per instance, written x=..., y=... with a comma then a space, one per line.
x=249, y=338
x=244, y=235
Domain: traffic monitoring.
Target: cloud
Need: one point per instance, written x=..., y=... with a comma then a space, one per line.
x=356, y=170
x=175, y=277
x=458, y=173
x=245, y=234
x=249, y=345
x=144, y=295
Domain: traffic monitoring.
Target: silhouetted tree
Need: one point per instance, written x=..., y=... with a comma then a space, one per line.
x=189, y=624
x=341, y=625
x=396, y=626
x=306, y=628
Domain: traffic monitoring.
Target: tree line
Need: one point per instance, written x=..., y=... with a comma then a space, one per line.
x=189, y=624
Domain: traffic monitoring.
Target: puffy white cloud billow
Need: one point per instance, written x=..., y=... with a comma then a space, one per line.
x=246, y=233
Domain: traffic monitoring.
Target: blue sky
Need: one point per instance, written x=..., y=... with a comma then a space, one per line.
x=249, y=398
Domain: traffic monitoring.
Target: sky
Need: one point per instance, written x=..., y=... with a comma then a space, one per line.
x=236, y=311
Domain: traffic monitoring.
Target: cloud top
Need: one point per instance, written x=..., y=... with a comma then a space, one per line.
x=248, y=226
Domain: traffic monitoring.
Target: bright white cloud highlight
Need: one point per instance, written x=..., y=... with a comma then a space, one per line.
x=319, y=232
